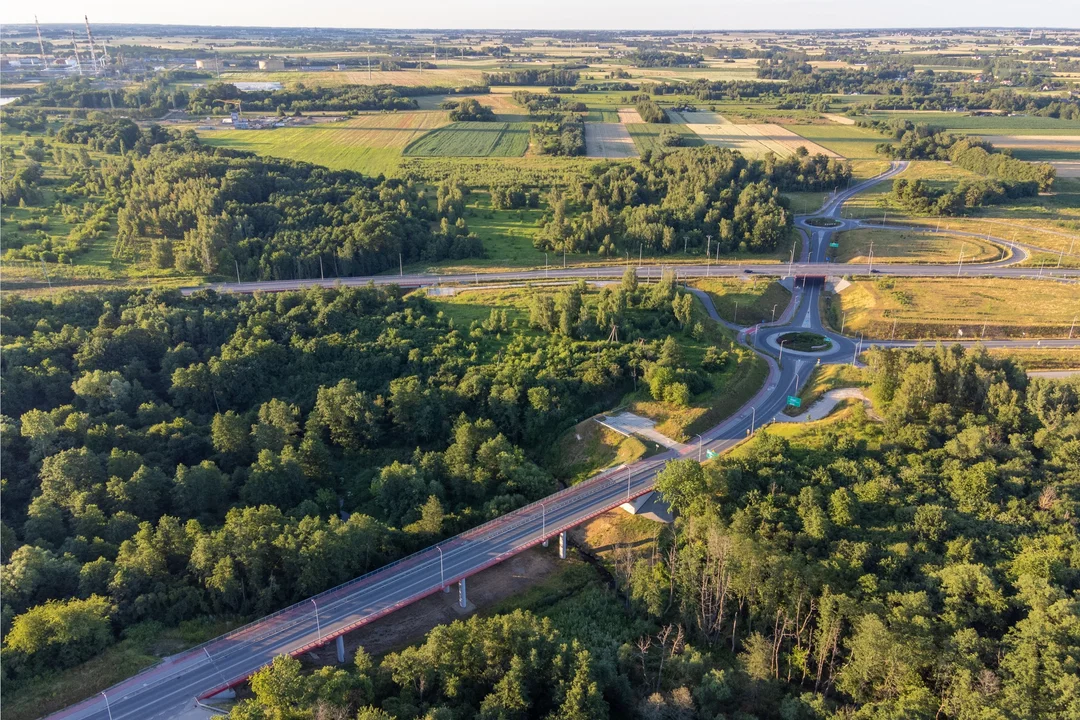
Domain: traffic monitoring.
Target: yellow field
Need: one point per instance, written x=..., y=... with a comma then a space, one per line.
x=751, y=140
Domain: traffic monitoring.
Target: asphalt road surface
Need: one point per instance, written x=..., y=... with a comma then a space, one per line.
x=172, y=686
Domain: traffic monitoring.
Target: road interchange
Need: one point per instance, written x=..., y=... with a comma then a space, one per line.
x=174, y=685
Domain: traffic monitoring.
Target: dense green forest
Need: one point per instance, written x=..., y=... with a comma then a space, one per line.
x=702, y=198
x=167, y=457
x=923, y=565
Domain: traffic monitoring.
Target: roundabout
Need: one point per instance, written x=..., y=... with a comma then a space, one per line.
x=805, y=342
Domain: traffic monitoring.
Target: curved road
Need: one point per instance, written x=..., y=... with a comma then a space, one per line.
x=172, y=686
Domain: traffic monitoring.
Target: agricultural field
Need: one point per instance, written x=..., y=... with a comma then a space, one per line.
x=987, y=124
x=902, y=246
x=971, y=308
x=646, y=136
x=502, y=104
x=472, y=139
x=371, y=144
x=752, y=140
x=609, y=140
x=848, y=141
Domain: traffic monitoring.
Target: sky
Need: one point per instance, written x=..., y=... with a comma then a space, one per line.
x=562, y=14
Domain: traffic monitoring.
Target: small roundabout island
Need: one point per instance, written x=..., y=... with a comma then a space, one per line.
x=807, y=342
x=823, y=222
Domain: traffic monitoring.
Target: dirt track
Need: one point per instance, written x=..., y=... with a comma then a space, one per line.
x=608, y=140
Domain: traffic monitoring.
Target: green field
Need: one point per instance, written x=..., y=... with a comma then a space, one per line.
x=852, y=142
x=746, y=302
x=988, y=125
x=472, y=139
x=646, y=136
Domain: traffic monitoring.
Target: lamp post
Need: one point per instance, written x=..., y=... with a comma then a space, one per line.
x=442, y=572
x=699, y=447
x=780, y=360
x=774, y=312
x=543, y=522
x=753, y=418
x=627, y=483
x=318, y=625
x=107, y=706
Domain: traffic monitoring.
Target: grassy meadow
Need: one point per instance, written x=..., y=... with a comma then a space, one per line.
x=957, y=308
x=902, y=246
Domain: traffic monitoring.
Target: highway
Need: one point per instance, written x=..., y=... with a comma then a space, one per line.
x=173, y=686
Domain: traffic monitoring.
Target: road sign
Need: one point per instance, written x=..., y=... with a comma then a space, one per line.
x=794, y=401
x=834, y=245
x=711, y=454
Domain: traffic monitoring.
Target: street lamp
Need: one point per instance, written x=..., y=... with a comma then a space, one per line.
x=699, y=447
x=543, y=521
x=843, y=321
x=774, y=312
x=107, y=706
x=780, y=360
x=318, y=625
x=627, y=483
x=442, y=572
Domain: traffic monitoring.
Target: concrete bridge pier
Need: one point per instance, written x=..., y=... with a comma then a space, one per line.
x=462, y=597
x=341, y=648
x=562, y=545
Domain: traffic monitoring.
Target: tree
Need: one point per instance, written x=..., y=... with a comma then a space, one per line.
x=71, y=477
x=683, y=485
x=683, y=307
x=61, y=634
x=671, y=355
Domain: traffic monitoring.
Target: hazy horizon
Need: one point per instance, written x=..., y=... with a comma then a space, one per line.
x=569, y=15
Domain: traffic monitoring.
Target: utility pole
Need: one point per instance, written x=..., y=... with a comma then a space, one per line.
x=774, y=312
x=318, y=625
x=237, y=265
x=1072, y=327
x=843, y=321
x=870, y=269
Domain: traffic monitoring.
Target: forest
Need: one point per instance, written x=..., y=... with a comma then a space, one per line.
x=708, y=198
x=924, y=564
x=166, y=458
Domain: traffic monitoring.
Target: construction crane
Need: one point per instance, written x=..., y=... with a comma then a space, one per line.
x=90, y=39
x=41, y=43
x=75, y=47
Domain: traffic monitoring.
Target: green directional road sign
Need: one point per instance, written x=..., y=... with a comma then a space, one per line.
x=834, y=244
x=711, y=454
x=794, y=401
